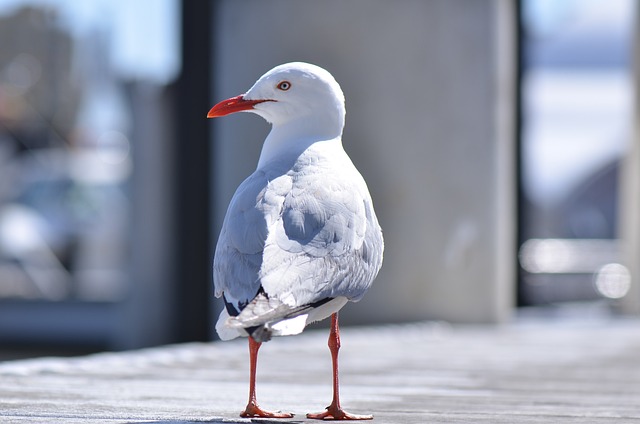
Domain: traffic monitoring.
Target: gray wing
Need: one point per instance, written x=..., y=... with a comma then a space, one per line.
x=238, y=254
x=325, y=243
x=301, y=236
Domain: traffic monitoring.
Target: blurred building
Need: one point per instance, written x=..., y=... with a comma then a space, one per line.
x=65, y=132
x=467, y=119
x=71, y=125
x=37, y=61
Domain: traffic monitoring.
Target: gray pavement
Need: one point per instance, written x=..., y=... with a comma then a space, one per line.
x=536, y=371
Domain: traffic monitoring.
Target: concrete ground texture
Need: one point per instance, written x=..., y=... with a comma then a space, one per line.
x=531, y=371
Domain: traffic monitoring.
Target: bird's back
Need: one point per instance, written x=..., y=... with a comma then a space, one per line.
x=300, y=230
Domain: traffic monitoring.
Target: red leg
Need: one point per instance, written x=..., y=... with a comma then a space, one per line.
x=253, y=410
x=335, y=411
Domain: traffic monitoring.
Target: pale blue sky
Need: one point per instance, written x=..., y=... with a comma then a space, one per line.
x=143, y=34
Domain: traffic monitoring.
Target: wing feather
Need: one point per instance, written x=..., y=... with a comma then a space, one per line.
x=327, y=242
x=301, y=233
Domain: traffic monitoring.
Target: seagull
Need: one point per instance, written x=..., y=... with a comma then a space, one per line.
x=300, y=237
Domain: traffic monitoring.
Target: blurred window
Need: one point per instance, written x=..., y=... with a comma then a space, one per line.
x=577, y=112
x=71, y=74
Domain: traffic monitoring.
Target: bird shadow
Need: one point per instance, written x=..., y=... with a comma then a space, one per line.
x=220, y=421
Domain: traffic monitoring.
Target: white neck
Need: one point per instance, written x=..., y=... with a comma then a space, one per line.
x=294, y=137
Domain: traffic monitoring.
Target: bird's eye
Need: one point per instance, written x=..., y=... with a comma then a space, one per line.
x=284, y=85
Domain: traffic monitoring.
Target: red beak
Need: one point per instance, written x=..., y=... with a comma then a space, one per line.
x=233, y=105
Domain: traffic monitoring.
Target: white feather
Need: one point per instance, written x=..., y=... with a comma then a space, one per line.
x=302, y=227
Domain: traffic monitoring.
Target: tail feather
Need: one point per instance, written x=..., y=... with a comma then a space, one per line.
x=263, y=315
x=264, y=310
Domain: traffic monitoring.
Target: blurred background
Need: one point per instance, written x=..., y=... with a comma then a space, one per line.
x=495, y=135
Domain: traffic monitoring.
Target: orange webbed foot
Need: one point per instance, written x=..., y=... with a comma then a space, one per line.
x=254, y=411
x=337, y=414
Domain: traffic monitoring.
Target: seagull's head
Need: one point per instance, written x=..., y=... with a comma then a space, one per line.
x=294, y=93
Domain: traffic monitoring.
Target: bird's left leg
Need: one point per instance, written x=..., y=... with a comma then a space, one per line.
x=335, y=411
x=253, y=410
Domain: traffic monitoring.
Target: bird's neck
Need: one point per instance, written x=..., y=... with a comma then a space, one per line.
x=293, y=138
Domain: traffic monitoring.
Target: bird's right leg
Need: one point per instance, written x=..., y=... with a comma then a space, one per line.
x=335, y=411
x=253, y=410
